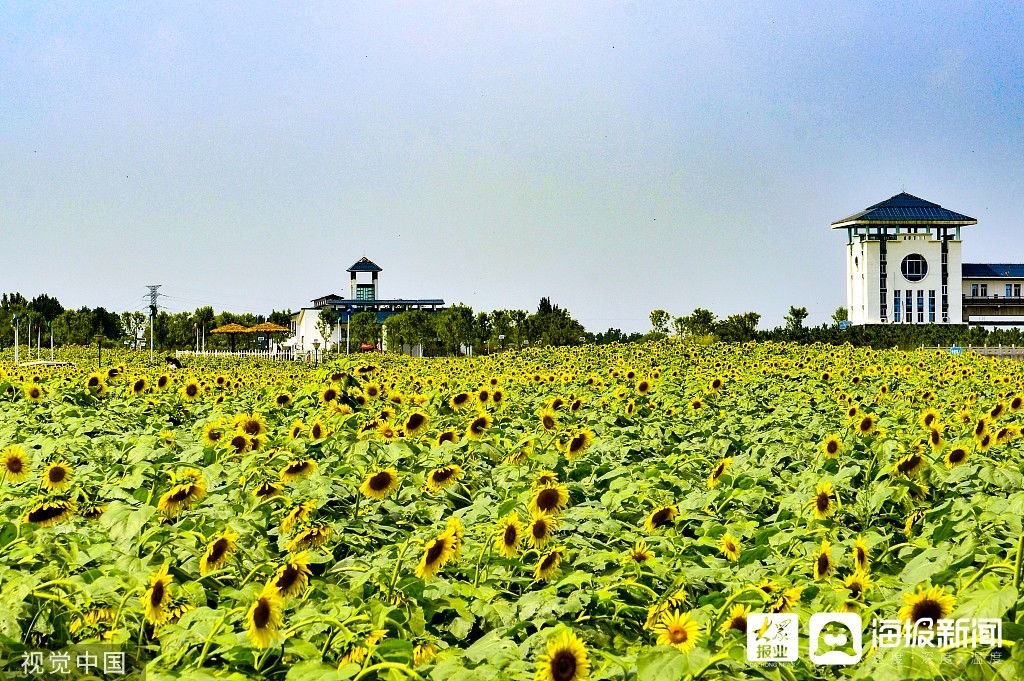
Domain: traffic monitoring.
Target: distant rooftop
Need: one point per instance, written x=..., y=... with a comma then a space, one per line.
x=992, y=270
x=905, y=209
x=365, y=265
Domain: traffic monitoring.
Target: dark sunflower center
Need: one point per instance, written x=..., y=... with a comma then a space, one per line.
x=15, y=465
x=855, y=589
x=239, y=442
x=442, y=474
x=282, y=399
x=57, y=474
x=739, y=623
x=936, y=438
x=643, y=387
x=41, y=515
x=330, y=395
x=824, y=563
x=156, y=594
x=576, y=444
x=34, y=393
x=192, y=390
x=316, y=431
x=661, y=517
x=162, y=381
x=929, y=419
x=414, y=422
x=539, y=529
x=381, y=481
x=679, y=635
x=288, y=577
x=266, y=489
x=926, y=609
x=435, y=551
x=214, y=434
x=832, y=447
x=460, y=398
x=861, y=556
x=547, y=499
x=865, y=425
x=261, y=614
x=298, y=468
x=957, y=455
x=549, y=561
x=549, y=423
x=718, y=471
x=446, y=437
x=563, y=666
x=824, y=502
x=980, y=428
x=219, y=548
x=479, y=426
x=511, y=535
x=252, y=427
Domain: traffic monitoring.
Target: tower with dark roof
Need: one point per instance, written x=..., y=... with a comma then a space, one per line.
x=364, y=290
x=903, y=262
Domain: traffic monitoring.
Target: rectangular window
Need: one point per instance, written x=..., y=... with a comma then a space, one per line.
x=984, y=290
x=896, y=307
x=974, y=290
x=920, y=306
x=931, y=306
x=1016, y=290
x=1009, y=290
x=910, y=307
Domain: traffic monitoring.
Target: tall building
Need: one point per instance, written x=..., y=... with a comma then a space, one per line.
x=904, y=266
x=364, y=297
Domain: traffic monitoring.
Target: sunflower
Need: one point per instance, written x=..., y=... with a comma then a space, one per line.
x=443, y=476
x=985, y=442
x=928, y=419
x=867, y=425
x=548, y=564
x=660, y=517
x=296, y=515
x=551, y=499
x=640, y=553
x=298, y=469
x=329, y=394
x=264, y=619
x=34, y=393
x=510, y=535
x=459, y=400
x=737, y=619
x=380, y=483
x=541, y=529
x=478, y=426
x=997, y=411
x=926, y=606
x=163, y=381
x=832, y=447
x=295, y=430
x=240, y=443
x=57, y=476
x=548, y=419
x=823, y=565
x=92, y=510
x=386, y=432
x=910, y=465
x=312, y=535
x=283, y=400
x=49, y=512
x=678, y=630
x=861, y=554
x=787, y=599
x=821, y=502
x=267, y=489
x=423, y=653
x=857, y=583
x=218, y=552
x=318, y=431
x=436, y=554
x=730, y=547
x=935, y=439
x=415, y=423
x=643, y=387
x=564, y=660
x=186, y=489
x=718, y=471
x=545, y=478
x=956, y=456
x=578, y=444
x=16, y=464
x=292, y=578
x=95, y=385
x=251, y=424
x=981, y=428
x=191, y=390
x=447, y=436
x=213, y=433
x=157, y=598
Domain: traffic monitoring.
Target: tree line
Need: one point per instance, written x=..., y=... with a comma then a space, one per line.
x=704, y=325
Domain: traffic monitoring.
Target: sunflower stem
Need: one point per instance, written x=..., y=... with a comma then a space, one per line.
x=710, y=663
x=479, y=560
x=398, y=563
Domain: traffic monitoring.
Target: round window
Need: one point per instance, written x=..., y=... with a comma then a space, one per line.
x=914, y=267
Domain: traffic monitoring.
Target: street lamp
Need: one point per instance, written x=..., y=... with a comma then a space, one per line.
x=99, y=350
x=316, y=351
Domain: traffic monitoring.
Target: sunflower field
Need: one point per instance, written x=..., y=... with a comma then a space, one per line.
x=557, y=514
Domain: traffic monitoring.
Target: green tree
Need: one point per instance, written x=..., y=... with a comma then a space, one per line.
x=660, y=320
x=840, y=315
x=795, y=318
x=700, y=322
x=325, y=324
x=738, y=328
x=454, y=327
x=364, y=328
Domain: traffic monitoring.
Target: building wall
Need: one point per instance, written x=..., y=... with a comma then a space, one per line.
x=863, y=267
x=996, y=287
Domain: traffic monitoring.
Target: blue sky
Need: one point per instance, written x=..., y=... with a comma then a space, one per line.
x=617, y=157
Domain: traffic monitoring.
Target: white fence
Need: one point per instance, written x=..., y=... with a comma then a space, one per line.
x=282, y=354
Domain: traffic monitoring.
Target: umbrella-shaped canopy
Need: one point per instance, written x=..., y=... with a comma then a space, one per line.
x=268, y=327
x=232, y=330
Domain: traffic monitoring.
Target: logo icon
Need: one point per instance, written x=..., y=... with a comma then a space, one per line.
x=836, y=638
x=772, y=637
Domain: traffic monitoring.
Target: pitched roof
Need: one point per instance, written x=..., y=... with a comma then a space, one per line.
x=365, y=265
x=905, y=209
x=992, y=270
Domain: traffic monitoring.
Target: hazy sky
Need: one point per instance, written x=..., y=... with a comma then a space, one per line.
x=616, y=157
